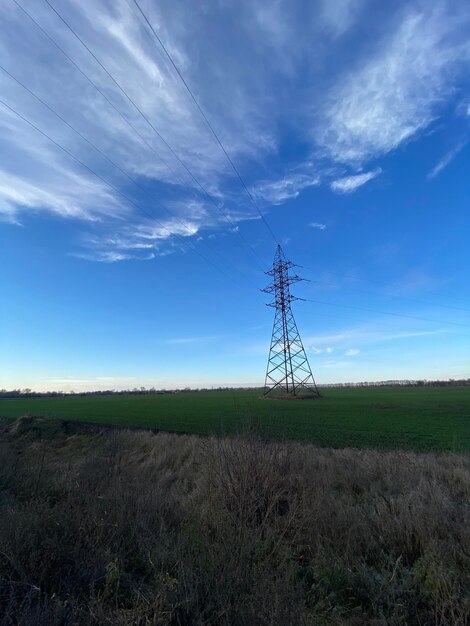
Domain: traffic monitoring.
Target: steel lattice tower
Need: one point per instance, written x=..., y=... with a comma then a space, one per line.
x=288, y=372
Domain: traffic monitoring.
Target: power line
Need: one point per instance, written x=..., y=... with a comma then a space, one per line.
x=385, y=295
x=211, y=128
x=130, y=178
x=108, y=184
x=413, y=317
x=90, y=143
x=165, y=142
x=95, y=86
x=51, y=39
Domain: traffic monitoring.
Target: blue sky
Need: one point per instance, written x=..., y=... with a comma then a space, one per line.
x=348, y=121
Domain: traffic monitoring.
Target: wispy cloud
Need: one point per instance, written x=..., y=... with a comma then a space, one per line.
x=415, y=280
x=111, y=256
x=374, y=332
x=352, y=352
x=327, y=350
x=38, y=177
x=143, y=241
x=398, y=88
x=361, y=335
x=182, y=341
x=338, y=17
x=96, y=379
x=348, y=184
x=336, y=364
x=446, y=159
x=287, y=188
x=317, y=225
x=378, y=97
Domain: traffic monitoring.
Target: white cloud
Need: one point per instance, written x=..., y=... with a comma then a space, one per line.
x=349, y=184
x=191, y=340
x=287, y=188
x=462, y=108
x=415, y=280
x=378, y=96
x=143, y=241
x=62, y=192
x=111, y=256
x=374, y=332
x=352, y=352
x=337, y=342
x=89, y=380
x=330, y=364
x=397, y=89
x=446, y=159
x=43, y=179
x=327, y=350
x=339, y=15
x=317, y=225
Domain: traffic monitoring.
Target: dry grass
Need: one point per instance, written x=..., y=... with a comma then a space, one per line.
x=133, y=528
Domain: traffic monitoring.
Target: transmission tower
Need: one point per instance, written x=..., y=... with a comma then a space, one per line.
x=288, y=373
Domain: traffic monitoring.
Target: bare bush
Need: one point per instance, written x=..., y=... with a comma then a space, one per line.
x=125, y=527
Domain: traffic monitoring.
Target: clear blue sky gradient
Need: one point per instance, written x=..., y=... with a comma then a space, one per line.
x=349, y=122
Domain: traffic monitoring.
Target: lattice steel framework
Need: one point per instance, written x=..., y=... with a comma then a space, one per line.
x=288, y=372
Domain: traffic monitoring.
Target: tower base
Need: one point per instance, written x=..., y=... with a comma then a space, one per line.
x=300, y=394
x=289, y=397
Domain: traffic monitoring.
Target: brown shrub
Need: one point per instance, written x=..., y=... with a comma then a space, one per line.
x=135, y=528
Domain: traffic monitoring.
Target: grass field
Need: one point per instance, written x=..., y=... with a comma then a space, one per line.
x=431, y=418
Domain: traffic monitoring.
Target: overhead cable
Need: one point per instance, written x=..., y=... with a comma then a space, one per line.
x=390, y=295
x=413, y=317
x=210, y=126
x=100, y=152
x=101, y=92
x=227, y=218
x=108, y=184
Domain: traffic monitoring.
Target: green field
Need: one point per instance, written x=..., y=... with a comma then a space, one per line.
x=422, y=418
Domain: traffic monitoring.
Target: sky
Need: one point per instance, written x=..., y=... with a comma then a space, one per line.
x=132, y=255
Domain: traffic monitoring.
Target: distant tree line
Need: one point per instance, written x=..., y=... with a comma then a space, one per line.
x=135, y=391
x=141, y=391
x=452, y=382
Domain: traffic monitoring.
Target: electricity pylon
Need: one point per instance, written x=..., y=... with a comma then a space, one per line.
x=288, y=373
